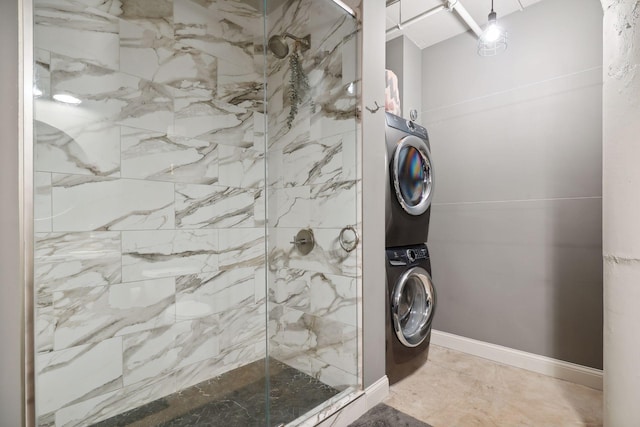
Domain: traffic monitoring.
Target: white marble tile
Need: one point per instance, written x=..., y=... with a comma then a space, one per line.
x=44, y=322
x=244, y=326
x=86, y=150
x=168, y=253
x=241, y=247
x=83, y=203
x=112, y=96
x=198, y=114
x=208, y=206
x=74, y=260
x=240, y=85
x=89, y=315
x=333, y=204
x=42, y=202
x=79, y=373
x=229, y=359
x=222, y=29
x=145, y=44
x=292, y=206
x=77, y=30
x=260, y=284
x=295, y=335
x=110, y=404
x=161, y=157
x=203, y=295
x=161, y=351
x=326, y=257
x=324, y=295
x=241, y=167
x=42, y=75
x=312, y=162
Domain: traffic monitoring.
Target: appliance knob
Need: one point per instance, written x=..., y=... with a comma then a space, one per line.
x=411, y=255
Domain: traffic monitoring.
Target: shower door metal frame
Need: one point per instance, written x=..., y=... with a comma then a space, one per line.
x=26, y=201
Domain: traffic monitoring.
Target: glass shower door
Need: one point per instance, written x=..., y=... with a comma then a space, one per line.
x=312, y=201
x=180, y=145
x=150, y=220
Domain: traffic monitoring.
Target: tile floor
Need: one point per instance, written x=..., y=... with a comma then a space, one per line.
x=457, y=389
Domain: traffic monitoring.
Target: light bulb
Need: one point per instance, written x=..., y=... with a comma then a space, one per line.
x=492, y=33
x=66, y=98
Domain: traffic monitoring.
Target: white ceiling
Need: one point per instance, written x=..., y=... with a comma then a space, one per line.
x=444, y=24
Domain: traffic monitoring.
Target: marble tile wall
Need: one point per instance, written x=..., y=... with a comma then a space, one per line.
x=149, y=206
x=313, y=182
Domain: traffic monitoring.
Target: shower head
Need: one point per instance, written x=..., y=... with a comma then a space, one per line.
x=279, y=47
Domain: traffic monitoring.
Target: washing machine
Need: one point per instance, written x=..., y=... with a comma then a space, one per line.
x=411, y=304
x=410, y=184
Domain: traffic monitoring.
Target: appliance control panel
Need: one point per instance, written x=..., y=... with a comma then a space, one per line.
x=407, y=255
x=406, y=126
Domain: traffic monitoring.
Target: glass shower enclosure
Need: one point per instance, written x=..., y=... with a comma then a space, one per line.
x=196, y=257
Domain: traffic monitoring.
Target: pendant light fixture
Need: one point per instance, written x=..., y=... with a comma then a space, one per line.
x=493, y=39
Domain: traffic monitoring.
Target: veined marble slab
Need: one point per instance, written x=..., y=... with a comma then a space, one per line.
x=75, y=260
x=313, y=162
x=114, y=97
x=75, y=368
x=199, y=114
x=203, y=295
x=161, y=157
x=83, y=203
x=168, y=253
x=208, y=206
x=229, y=359
x=91, y=315
x=326, y=257
x=323, y=295
x=333, y=204
x=42, y=202
x=87, y=150
x=77, y=30
x=239, y=85
x=225, y=29
x=107, y=405
x=160, y=351
x=42, y=74
x=241, y=247
x=45, y=322
x=293, y=334
x=241, y=167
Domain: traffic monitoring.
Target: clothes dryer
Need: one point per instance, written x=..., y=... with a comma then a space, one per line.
x=411, y=181
x=411, y=304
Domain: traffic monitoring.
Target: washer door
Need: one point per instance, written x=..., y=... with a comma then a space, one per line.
x=412, y=306
x=412, y=173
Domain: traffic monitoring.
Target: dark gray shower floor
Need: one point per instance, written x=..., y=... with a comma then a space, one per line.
x=234, y=399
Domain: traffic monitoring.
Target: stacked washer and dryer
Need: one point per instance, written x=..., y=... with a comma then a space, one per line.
x=411, y=296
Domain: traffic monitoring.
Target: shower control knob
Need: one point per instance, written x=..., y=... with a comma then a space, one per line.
x=411, y=255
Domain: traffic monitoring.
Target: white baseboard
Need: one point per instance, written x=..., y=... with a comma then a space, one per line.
x=353, y=410
x=578, y=374
x=377, y=392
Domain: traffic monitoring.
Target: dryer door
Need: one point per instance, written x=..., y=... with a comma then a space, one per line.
x=413, y=303
x=412, y=174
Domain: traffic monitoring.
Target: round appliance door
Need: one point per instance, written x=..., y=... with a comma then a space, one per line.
x=412, y=306
x=412, y=172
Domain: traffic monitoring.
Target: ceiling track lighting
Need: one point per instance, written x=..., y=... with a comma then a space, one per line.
x=493, y=39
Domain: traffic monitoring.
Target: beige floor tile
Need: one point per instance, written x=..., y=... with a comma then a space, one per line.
x=456, y=389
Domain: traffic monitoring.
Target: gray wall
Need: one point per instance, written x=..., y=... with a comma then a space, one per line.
x=373, y=179
x=516, y=234
x=404, y=58
x=10, y=290
x=412, y=78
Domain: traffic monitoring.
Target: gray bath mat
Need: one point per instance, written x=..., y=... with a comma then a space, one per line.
x=383, y=415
